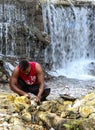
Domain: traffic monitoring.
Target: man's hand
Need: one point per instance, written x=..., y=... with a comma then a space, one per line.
x=37, y=99
x=27, y=95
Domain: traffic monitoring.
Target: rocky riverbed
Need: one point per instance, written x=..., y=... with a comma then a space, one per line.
x=59, y=85
x=63, y=85
x=19, y=112
x=56, y=113
x=72, y=87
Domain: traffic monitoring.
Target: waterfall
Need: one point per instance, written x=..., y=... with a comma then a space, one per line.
x=13, y=24
x=72, y=49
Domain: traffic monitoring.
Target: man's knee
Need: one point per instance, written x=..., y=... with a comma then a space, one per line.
x=47, y=91
x=45, y=94
x=22, y=85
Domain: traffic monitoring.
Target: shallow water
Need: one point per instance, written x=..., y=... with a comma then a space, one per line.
x=73, y=87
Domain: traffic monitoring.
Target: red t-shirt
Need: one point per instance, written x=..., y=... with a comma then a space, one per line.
x=31, y=79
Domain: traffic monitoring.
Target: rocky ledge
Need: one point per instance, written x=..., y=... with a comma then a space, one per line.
x=18, y=112
x=69, y=2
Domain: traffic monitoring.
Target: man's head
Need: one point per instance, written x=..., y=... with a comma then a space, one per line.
x=24, y=66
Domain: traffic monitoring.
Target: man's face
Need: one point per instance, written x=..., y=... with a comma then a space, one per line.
x=27, y=71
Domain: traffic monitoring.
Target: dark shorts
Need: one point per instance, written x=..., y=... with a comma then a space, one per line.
x=33, y=88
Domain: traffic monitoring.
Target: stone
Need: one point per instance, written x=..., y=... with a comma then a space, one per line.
x=21, y=103
x=50, y=119
x=49, y=114
x=18, y=127
x=85, y=111
x=26, y=117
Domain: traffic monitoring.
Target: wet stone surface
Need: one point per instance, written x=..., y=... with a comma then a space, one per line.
x=72, y=87
x=62, y=85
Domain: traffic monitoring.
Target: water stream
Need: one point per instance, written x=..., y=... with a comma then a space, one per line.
x=72, y=32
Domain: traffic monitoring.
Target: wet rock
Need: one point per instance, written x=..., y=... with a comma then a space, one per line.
x=58, y=114
x=50, y=119
x=68, y=3
x=87, y=124
x=47, y=105
x=21, y=103
x=41, y=35
x=85, y=111
x=4, y=75
x=18, y=127
x=26, y=117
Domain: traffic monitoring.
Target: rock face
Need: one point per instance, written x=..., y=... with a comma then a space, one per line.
x=22, y=33
x=68, y=2
x=59, y=114
x=4, y=76
x=22, y=30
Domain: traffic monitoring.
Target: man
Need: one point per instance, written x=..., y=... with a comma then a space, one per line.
x=28, y=77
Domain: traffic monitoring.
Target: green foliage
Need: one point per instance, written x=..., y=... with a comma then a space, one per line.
x=67, y=126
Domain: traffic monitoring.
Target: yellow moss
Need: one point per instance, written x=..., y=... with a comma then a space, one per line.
x=91, y=103
x=67, y=102
x=61, y=108
x=21, y=103
x=22, y=99
x=10, y=97
x=86, y=110
x=89, y=96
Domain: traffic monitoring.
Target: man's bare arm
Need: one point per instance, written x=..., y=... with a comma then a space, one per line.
x=14, y=84
x=40, y=76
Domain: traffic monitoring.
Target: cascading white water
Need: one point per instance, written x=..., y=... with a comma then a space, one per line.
x=72, y=49
x=11, y=18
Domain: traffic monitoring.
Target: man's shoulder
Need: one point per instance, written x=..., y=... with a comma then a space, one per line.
x=16, y=70
x=32, y=62
x=36, y=64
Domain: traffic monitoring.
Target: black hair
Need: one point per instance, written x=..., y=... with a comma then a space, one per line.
x=23, y=64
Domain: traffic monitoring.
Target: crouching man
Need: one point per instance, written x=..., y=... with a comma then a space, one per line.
x=28, y=77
